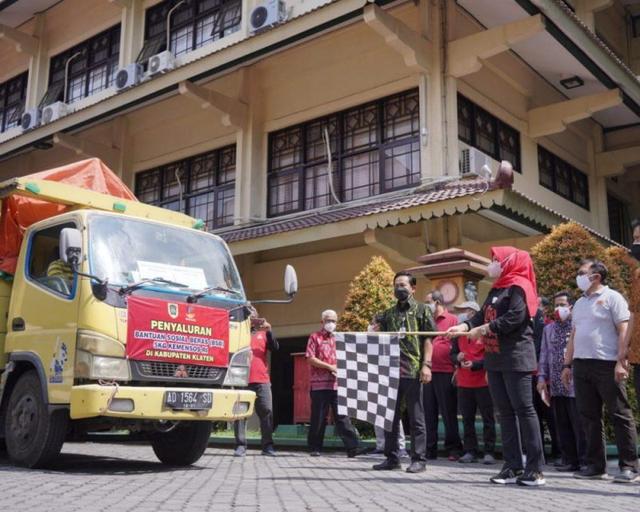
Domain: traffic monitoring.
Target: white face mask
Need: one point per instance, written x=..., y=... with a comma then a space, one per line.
x=462, y=317
x=432, y=307
x=583, y=282
x=494, y=269
x=329, y=326
x=563, y=313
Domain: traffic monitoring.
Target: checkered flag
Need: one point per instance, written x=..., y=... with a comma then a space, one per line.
x=368, y=376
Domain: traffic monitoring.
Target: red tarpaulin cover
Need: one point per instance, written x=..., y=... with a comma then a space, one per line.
x=19, y=212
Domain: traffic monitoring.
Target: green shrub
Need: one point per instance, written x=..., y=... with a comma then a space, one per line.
x=369, y=293
x=557, y=257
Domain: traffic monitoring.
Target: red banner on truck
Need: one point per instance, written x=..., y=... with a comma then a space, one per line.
x=176, y=332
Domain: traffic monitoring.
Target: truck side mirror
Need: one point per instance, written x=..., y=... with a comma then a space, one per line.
x=290, y=281
x=71, y=247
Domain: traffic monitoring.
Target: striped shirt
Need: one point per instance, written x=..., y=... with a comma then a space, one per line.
x=59, y=268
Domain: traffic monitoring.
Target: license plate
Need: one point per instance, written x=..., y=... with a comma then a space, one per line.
x=192, y=400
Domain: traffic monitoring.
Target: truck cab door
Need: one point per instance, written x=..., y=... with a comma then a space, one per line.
x=43, y=314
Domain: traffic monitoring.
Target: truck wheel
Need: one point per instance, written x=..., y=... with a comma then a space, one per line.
x=33, y=436
x=183, y=445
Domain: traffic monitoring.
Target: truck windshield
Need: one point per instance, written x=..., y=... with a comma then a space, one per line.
x=125, y=250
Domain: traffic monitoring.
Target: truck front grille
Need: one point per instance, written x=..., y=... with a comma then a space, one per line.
x=168, y=370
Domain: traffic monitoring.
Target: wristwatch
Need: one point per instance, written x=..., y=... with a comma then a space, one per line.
x=427, y=364
x=566, y=366
x=484, y=330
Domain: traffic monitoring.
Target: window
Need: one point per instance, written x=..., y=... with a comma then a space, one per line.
x=201, y=186
x=480, y=129
x=635, y=25
x=92, y=68
x=45, y=266
x=12, y=97
x=563, y=179
x=193, y=24
x=619, y=225
x=374, y=149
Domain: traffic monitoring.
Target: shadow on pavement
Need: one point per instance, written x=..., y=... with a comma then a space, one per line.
x=80, y=464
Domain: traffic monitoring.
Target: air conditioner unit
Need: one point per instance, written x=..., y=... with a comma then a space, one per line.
x=471, y=160
x=128, y=76
x=30, y=119
x=55, y=111
x=161, y=63
x=266, y=15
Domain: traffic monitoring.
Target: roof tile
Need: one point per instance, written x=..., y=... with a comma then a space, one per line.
x=347, y=211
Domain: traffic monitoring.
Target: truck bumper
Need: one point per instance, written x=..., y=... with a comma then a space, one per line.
x=147, y=403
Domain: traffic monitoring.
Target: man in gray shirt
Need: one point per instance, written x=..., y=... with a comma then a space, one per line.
x=596, y=360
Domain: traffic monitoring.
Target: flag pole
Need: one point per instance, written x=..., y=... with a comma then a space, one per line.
x=430, y=334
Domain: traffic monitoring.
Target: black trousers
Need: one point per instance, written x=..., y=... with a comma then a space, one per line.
x=471, y=400
x=411, y=391
x=636, y=380
x=264, y=410
x=545, y=416
x=321, y=400
x=512, y=394
x=571, y=436
x=441, y=398
x=596, y=386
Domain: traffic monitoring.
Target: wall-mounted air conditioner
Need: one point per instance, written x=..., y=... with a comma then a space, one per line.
x=266, y=15
x=161, y=63
x=471, y=160
x=30, y=119
x=128, y=76
x=55, y=111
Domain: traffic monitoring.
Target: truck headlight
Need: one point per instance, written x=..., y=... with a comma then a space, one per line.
x=90, y=366
x=238, y=371
x=99, y=344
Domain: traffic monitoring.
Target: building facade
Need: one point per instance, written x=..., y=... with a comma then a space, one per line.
x=320, y=133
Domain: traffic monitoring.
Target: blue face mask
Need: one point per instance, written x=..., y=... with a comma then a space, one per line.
x=463, y=317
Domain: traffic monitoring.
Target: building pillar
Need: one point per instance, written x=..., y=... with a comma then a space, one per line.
x=131, y=31
x=251, y=190
x=598, y=185
x=38, y=66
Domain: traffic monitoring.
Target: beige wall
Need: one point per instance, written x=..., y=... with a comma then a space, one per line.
x=613, y=26
x=12, y=63
x=344, y=68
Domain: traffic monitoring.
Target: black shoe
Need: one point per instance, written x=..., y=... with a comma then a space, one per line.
x=269, y=451
x=387, y=465
x=568, y=468
x=531, y=479
x=417, y=467
x=590, y=473
x=432, y=455
x=506, y=476
x=354, y=452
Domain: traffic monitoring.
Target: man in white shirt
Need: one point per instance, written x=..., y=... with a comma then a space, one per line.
x=596, y=359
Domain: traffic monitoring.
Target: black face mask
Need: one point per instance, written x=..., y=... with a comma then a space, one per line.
x=402, y=294
x=635, y=251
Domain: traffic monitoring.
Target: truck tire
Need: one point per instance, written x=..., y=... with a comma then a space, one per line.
x=34, y=437
x=183, y=445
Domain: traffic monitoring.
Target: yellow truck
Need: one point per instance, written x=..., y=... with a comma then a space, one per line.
x=71, y=359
